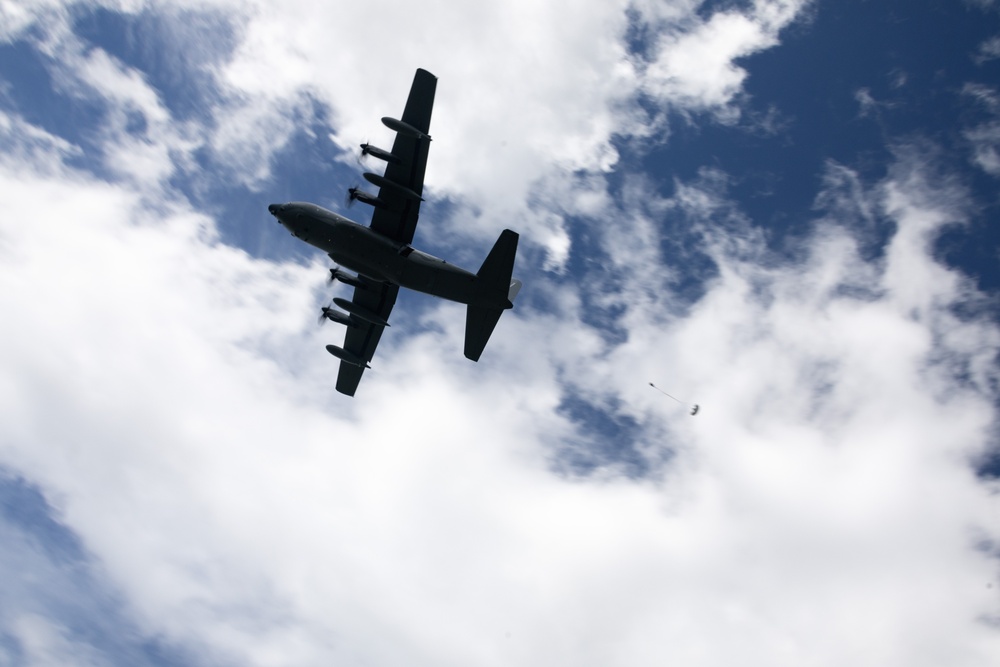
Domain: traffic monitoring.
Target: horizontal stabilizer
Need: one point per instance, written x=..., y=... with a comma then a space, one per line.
x=479, y=324
x=515, y=287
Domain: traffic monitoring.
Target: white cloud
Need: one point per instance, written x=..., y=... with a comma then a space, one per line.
x=694, y=68
x=23, y=141
x=170, y=396
x=869, y=105
x=139, y=140
x=838, y=399
x=16, y=17
x=529, y=92
x=44, y=645
x=173, y=403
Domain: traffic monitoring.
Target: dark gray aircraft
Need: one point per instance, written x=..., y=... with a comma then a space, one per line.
x=381, y=256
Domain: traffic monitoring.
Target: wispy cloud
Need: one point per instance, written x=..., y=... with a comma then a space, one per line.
x=198, y=457
x=988, y=50
x=985, y=137
x=170, y=397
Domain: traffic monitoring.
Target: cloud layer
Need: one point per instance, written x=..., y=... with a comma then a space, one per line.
x=172, y=402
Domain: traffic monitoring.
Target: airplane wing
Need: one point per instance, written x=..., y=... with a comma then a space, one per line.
x=397, y=219
x=362, y=338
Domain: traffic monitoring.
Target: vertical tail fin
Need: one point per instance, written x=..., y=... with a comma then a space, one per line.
x=495, y=293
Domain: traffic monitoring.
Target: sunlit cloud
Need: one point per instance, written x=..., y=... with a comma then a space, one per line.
x=170, y=403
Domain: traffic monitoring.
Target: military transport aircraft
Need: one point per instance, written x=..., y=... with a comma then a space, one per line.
x=381, y=256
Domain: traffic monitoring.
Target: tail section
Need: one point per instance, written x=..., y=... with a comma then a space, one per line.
x=495, y=293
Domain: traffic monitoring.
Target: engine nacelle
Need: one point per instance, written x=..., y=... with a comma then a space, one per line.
x=383, y=182
x=361, y=312
x=357, y=194
x=347, y=279
x=338, y=317
x=380, y=153
x=349, y=357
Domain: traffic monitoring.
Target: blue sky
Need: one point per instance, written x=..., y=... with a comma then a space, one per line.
x=782, y=210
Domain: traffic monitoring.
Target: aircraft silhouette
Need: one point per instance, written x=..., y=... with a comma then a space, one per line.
x=381, y=257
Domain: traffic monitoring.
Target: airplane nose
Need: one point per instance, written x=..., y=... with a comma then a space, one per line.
x=273, y=209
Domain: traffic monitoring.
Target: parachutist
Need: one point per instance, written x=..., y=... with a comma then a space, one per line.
x=694, y=408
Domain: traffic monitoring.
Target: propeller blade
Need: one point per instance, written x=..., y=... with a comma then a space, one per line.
x=352, y=196
x=322, y=313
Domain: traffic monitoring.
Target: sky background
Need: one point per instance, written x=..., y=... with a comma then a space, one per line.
x=782, y=210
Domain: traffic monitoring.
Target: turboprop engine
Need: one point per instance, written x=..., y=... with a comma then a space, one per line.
x=379, y=153
x=347, y=279
x=361, y=312
x=334, y=315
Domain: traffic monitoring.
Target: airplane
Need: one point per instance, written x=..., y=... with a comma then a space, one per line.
x=381, y=257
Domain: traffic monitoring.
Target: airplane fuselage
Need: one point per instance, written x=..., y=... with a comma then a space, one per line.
x=370, y=254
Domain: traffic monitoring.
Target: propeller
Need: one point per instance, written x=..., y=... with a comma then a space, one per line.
x=380, y=153
x=352, y=195
x=340, y=317
x=365, y=152
x=322, y=312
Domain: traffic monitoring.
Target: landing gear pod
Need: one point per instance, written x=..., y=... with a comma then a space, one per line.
x=404, y=128
x=346, y=356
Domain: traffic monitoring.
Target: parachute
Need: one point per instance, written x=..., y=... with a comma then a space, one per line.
x=693, y=407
